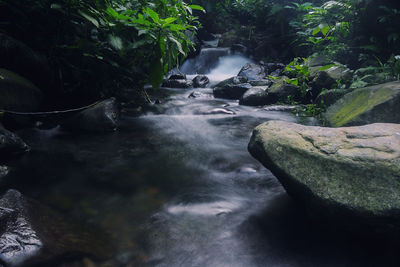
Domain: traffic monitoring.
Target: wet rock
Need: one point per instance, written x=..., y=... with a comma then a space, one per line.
x=196, y=94
x=379, y=103
x=252, y=72
x=232, y=81
x=177, y=77
x=273, y=67
x=17, y=93
x=256, y=96
x=276, y=73
x=32, y=234
x=348, y=177
x=231, y=91
x=178, y=83
x=102, y=117
x=11, y=144
x=264, y=82
x=216, y=111
x=19, y=58
x=200, y=81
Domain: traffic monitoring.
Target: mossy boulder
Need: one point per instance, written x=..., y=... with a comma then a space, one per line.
x=17, y=93
x=379, y=103
x=348, y=177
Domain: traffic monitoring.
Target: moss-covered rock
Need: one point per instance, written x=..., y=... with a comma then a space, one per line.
x=379, y=103
x=346, y=176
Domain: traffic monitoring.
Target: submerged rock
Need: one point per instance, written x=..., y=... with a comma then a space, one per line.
x=252, y=71
x=200, y=81
x=379, y=103
x=256, y=96
x=11, y=144
x=17, y=93
x=32, y=234
x=346, y=176
x=102, y=117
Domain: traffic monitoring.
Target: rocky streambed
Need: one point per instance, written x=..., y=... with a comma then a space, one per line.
x=176, y=185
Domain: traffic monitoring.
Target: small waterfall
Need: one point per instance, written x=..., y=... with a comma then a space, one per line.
x=217, y=63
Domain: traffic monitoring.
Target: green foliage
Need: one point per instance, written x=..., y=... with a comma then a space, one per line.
x=106, y=44
x=300, y=72
x=309, y=110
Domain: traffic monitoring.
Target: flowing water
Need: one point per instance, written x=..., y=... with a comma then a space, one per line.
x=177, y=187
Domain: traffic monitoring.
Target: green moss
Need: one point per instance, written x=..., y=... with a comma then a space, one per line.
x=359, y=102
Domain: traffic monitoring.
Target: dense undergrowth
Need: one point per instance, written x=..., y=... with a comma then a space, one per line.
x=101, y=47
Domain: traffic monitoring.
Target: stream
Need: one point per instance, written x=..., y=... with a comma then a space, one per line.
x=177, y=187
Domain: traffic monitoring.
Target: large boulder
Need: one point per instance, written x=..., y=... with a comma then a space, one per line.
x=252, y=71
x=32, y=234
x=231, y=91
x=346, y=176
x=256, y=96
x=11, y=144
x=19, y=58
x=379, y=103
x=17, y=93
x=102, y=117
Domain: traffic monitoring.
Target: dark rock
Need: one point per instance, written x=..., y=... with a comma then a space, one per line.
x=256, y=96
x=264, y=82
x=379, y=103
x=32, y=234
x=321, y=81
x=4, y=171
x=328, y=97
x=281, y=91
x=348, y=177
x=200, y=81
x=17, y=93
x=102, y=117
x=252, y=71
x=177, y=77
x=11, y=144
x=232, y=81
x=19, y=58
x=276, y=73
x=272, y=67
x=231, y=91
x=181, y=83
